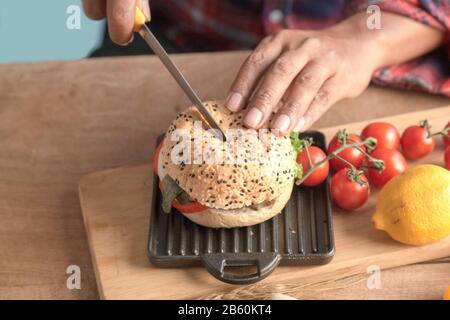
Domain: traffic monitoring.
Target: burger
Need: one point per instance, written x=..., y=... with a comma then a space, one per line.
x=242, y=181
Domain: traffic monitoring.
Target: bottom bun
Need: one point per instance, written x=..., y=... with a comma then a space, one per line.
x=218, y=218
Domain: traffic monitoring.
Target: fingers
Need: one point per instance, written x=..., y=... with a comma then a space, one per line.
x=276, y=81
x=145, y=7
x=327, y=95
x=95, y=9
x=291, y=75
x=120, y=15
x=302, y=92
x=250, y=72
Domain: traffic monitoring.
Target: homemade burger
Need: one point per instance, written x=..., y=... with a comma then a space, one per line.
x=250, y=182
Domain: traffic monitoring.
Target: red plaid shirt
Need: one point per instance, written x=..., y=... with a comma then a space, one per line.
x=212, y=25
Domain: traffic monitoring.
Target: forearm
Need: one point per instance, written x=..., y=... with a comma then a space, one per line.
x=400, y=38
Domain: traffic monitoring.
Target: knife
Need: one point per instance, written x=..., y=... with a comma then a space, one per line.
x=141, y=28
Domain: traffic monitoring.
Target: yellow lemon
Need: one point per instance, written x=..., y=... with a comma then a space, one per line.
x=414, y=207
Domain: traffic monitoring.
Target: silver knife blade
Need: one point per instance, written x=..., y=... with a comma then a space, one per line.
x=154, y=44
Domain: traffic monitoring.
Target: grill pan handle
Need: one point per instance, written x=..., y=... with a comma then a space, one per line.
x=265, y=263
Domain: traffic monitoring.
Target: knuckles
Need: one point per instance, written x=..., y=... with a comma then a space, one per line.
x=282, y=35
x=263, y=100
x=266, y=40
x=332, y=54
x=322, y=97
x=256, y=57
x=282, y=66
x=313, y=43
x=307, y=80
x=265, y=97
x=291, y=108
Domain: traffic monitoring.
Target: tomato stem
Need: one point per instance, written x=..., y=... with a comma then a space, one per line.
x=424, y=124
x=350, y=165
x=309, y=157
x=445, y=133
x=377, y=163
x=354, y=173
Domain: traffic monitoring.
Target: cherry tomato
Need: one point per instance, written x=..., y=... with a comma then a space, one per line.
x=416, y=143
x=386, y=134
x=321, y=172
x=444, y=138
x=447, y=158
x=394, y=164
x=352, y=155
x=190, y=207
x=156, y=156
x=347, y=194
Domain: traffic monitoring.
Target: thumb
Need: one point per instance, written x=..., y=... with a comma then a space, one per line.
x=145, y=7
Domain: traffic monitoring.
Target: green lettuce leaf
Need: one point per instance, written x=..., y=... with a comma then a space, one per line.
x=298, y=171
x=171, y=190
x=296, y=142
x=298, y=145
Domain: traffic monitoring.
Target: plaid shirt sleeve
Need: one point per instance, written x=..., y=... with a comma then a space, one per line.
x=210, y=25
x=431, y=72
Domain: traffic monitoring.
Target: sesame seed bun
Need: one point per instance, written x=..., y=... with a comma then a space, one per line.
x=231, y=188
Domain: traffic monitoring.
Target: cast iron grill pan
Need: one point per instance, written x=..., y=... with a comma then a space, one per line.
x=302, y=234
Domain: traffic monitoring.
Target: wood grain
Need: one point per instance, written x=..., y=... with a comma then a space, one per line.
x=61, y=120
x=116, y=206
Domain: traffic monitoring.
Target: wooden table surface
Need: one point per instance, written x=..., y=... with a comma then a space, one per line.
x=61, y=120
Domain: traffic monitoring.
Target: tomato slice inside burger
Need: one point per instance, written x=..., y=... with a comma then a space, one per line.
x=190, y=207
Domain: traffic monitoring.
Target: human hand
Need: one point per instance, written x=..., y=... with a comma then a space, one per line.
x=120, y=15
x=303, y=73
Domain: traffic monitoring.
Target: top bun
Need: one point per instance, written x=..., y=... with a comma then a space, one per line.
x=260, y=174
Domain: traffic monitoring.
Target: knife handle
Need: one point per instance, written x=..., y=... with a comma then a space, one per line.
x=139, y=20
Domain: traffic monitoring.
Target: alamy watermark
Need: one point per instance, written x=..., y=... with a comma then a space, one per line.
x=374, y=279
x=73, y=21
x=242, y=146
x=374, y=20
x=74, y=280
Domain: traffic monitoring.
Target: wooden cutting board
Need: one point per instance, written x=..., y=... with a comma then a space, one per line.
x=116, y=206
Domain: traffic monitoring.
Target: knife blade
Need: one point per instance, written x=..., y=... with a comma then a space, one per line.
x=158, y=49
